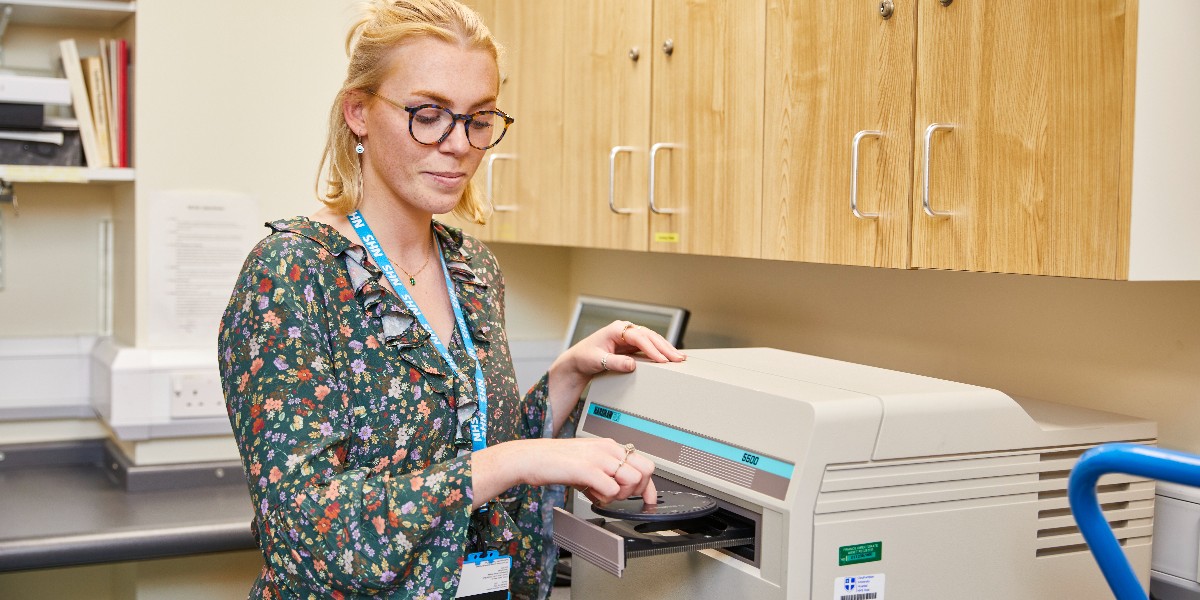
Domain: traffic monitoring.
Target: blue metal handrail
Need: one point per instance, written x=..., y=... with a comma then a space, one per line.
x=1132, y=459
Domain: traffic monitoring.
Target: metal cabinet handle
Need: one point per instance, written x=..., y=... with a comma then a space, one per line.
x=612, y=179
x=491, y=162
x=653, y=152
x=925, y=176
x=854, y=173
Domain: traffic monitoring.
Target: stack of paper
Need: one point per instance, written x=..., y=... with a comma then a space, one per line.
x=25, y=137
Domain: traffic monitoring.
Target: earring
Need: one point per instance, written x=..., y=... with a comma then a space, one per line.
x=359, y=148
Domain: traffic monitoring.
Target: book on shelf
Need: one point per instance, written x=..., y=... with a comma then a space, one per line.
x=100, y=97
x=114, y=59
x=73, y=68
x=122, y=102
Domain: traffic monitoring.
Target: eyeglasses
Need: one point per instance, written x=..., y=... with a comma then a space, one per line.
x=431, y=124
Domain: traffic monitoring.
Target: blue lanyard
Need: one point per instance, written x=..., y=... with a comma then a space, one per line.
x=479, y=423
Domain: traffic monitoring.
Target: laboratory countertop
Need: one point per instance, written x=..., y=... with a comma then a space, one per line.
x=74, y=504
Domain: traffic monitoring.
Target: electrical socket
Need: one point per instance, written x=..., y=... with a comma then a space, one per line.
x=195, y=395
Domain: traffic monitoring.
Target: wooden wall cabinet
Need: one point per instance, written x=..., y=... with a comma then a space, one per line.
x=841, y=76
x=672, y=84
x=991, y=136
x=1026, y=175
x=523, y=175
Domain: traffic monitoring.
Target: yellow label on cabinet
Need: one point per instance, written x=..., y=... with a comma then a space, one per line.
x=666, y=237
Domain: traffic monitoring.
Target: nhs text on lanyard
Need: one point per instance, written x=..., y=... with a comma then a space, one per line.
x=479, y=423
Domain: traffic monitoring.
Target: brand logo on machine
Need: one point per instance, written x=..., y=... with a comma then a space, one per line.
x=600, y=411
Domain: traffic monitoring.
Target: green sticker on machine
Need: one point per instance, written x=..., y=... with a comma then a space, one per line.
x=860, y=553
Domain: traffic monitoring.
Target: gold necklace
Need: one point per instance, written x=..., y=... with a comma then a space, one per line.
x=412, y=277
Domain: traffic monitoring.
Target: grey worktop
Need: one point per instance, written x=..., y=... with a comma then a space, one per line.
x=72, y=504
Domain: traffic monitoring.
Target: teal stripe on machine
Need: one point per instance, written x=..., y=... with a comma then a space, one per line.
x=738, y=455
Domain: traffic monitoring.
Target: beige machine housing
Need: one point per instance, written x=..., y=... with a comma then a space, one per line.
x=925, y=488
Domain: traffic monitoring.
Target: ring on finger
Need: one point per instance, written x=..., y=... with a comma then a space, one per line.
x=604, y=361
x=627, y=327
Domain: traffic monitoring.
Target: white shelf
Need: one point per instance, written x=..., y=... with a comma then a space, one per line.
x=94, y=14
x=38, y=174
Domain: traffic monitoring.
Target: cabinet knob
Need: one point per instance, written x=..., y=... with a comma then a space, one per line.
x=669, y=47
x=634, y=54
x=886, y=8
x=946, y=2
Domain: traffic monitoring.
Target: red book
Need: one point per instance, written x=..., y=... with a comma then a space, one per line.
x=122, y=111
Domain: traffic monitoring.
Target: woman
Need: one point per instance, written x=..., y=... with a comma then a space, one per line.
x=355, y=393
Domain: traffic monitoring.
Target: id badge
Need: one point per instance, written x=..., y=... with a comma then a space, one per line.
x=484, y=577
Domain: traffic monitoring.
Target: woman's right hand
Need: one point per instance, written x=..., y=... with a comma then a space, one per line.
x=599, y=467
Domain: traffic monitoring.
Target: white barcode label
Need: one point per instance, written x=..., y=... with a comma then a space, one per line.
x=858, y=587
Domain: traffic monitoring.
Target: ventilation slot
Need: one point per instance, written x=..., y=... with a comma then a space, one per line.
x=1066, y=512
x=1073, y=548
x=1100, y=489
x=1128, y=507
x=1062, y=455
x=1060, y=550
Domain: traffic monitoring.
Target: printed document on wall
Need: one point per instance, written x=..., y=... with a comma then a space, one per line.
x=198, y=241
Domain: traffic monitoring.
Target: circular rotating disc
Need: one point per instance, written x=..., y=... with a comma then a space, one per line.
x=672, y=506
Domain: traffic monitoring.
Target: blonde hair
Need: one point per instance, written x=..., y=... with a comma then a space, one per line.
x=385, y=24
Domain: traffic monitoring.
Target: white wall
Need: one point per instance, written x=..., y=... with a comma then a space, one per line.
x=51, y=273
x=231, y=96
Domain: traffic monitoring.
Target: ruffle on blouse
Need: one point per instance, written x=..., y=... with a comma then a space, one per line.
x=401, y=330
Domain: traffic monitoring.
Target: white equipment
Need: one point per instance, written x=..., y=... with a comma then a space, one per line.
x=1175, y=565
x=851, y=483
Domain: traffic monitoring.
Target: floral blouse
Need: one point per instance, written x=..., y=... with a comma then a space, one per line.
x=353, y=431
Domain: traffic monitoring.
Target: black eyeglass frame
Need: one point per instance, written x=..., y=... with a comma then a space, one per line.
x=454, y=118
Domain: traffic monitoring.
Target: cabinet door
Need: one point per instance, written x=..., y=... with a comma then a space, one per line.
x=1029, y=174
x=607, y=124
x=839, y=71
x=522, y=176
x=487, y=12
x=527, y=166
x=708, y=104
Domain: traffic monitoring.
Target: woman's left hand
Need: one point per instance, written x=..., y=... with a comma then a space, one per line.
x=607, y=349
